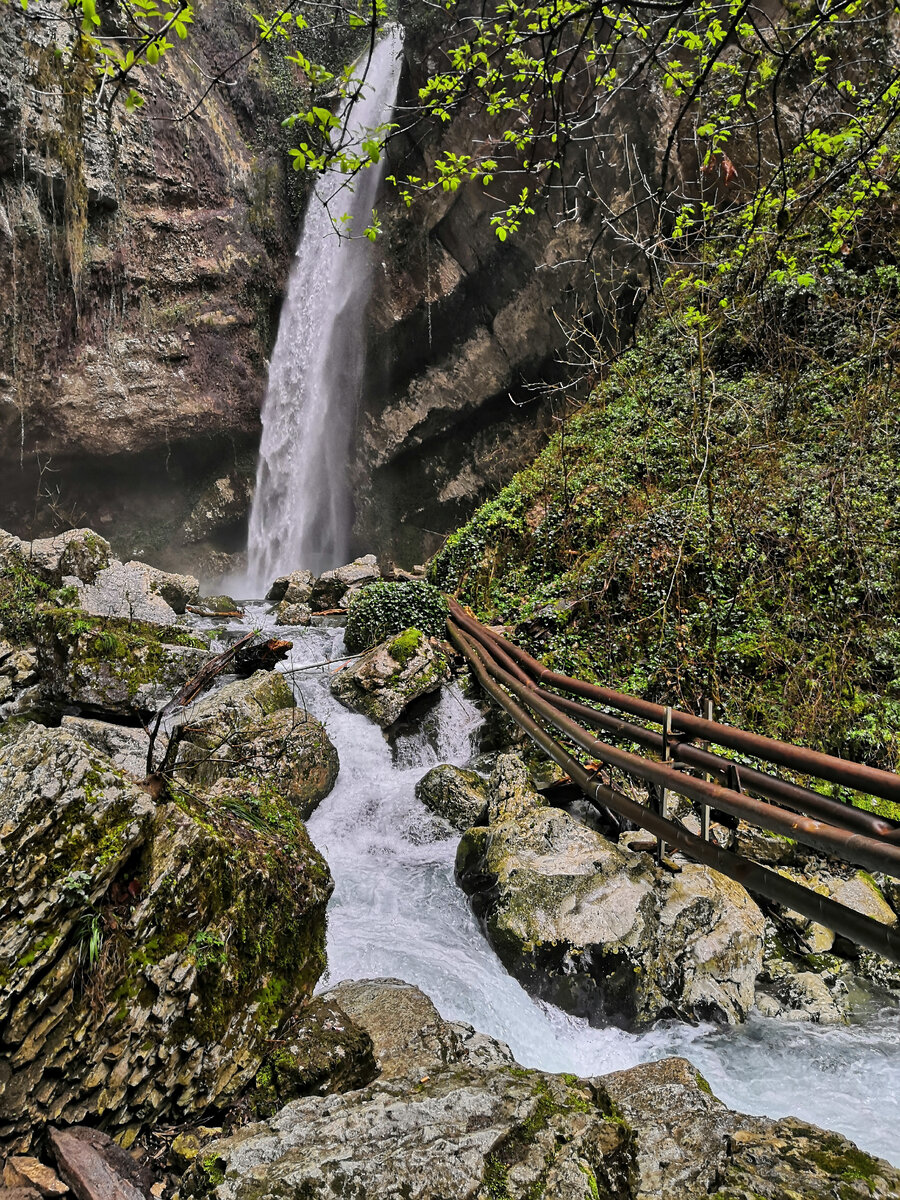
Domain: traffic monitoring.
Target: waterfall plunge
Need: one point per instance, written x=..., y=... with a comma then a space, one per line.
x=302, y=510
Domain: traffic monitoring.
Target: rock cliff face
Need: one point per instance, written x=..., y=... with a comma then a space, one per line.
x=141, y=266
x=465, y=330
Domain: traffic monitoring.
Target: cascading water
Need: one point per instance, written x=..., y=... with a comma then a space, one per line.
x=397, y=911
x=302, y=512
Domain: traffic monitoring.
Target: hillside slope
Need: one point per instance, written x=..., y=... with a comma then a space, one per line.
x=721, y=519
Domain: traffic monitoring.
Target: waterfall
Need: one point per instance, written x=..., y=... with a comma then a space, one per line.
x=302, y=509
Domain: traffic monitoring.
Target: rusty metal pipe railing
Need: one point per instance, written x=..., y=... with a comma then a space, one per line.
x=882, y=939
x=841, y=771
x=758, y=783
x=864, y=851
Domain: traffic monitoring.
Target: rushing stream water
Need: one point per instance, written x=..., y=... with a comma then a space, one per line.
x=396, y=911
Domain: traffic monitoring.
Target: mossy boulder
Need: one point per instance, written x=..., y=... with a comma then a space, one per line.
x=599, y=930
x=382, y=609
x=686, y=1145
x=114, y=666
x=453, y=1117
x=387, y=679
x=333, y=589
x=321, y=1051
x=150, y=946
x=457, y=795
x=283, y=759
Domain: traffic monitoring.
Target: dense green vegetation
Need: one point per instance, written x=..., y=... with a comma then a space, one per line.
x=722, y=518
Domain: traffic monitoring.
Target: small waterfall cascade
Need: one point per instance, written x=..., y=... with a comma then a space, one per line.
x=302, y=510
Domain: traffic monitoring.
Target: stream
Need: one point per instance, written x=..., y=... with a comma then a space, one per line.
x=397, y=911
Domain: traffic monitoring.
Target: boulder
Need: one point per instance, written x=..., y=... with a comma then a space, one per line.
x=286, y=752
x=124, y=745
x=383, y=682
x=79, y=554
x=288, y=613
x=217, y=606
x=333, y=589
x=296, y=588
x=123, y=591
x=178, y=591
x=457, y=795
x=602, y=931
x=321, y=1051
x=123, y=668
x=452, y=1117
x=216, y=716
x=149, y=947
x=686, y=1144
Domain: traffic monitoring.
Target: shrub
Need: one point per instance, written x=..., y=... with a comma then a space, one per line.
x=382, y=609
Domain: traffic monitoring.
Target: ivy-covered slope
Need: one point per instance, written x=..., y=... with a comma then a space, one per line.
x=722, y=518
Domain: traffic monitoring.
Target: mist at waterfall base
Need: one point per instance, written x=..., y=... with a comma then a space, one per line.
x=302, y=510
x=398, y=912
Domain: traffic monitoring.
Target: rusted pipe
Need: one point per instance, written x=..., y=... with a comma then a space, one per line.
x=864, y=851
x=758, y=783
x=882, y=939
x=841, y=771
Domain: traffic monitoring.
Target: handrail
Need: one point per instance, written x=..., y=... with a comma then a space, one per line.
x=758, y=783
x=841, y=771
x=882, y=939
x=866, y=852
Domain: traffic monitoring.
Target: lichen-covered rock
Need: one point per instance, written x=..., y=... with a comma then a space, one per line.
x=321, y=1050
x=125, y=746
x=296, y=588
x=386, y=680
x=453, y=1117
x=457, y=795
x=124, y=591
x=511, y=794
x=333, y=589
x=686, y=1144
x=149, y=948
x=80, y=554
x=217, y=606
x=216, y=717
x=288, y=613
x=178, y=591
x=286, y=754
x=113, y=667
x=602, y=931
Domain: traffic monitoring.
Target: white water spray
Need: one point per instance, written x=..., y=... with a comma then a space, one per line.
x=302, y=509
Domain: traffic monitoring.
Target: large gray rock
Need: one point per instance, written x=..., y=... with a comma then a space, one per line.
x=121, y=669
x=149, y=949
x=296, y=588
x=385, y=680
x=602, y=931
x=125, y=746
x=124, y=591
x=457, y=795
x=178, y=591
x=286, y=750
x=333, y=589
x=79, y=554
x=452, y=1117
x=686, y=1144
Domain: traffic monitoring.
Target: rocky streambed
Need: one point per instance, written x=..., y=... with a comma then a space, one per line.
x=162, y=936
